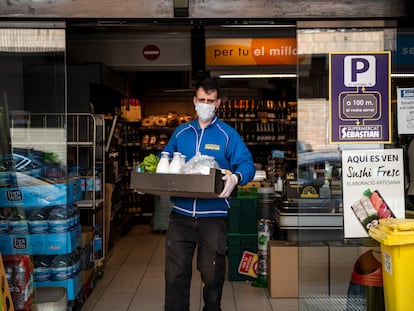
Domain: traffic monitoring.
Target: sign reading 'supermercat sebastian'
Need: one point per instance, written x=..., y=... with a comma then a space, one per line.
x=360, y=98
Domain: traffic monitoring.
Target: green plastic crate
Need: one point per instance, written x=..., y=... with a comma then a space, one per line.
x=243, y=216
x=236, y=245
x=247, y=193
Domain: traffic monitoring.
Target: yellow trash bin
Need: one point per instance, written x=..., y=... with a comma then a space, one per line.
x=397, y=253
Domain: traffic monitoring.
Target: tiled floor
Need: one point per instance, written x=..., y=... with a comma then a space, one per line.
x=134, y=280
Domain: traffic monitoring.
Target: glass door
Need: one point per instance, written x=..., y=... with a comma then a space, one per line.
x=325, y=258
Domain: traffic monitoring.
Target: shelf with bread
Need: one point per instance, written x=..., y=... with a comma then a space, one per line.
x=167, y=120
x=140, y=138
x=155, y=130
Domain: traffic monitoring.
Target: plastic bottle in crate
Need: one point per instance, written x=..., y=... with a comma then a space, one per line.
x=42, y=271
x=97, y=244
x=4, y=222
x=17, y=222
x=61, y=268
x=70, y=215
x=73, y=218
x=38, y=222
x=58, y=219
x=74, y=262
x=77, y=173
x=86, y=257
x=93, y=185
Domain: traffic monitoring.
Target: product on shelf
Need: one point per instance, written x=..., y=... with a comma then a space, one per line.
x=160, y=120
x=162, y=140
x=62, y=270
x=148, y=121
x=59, y=219
x=38, y=221
x=261, y=109
x=131, y=109
x=172, y=119
x=183, y=118
x=19, y=272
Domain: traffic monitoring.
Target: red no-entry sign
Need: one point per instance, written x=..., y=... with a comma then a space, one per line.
x=151, y=52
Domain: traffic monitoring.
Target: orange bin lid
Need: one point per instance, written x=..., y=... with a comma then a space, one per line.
x=367, y=270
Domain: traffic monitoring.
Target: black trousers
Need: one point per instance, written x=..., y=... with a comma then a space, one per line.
x=185, y=235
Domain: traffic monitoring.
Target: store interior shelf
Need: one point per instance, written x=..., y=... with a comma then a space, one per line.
x=266, y=143
x=80, y=144
x=93, y=204
x=258, y=120
x=135, y=144
x=157, y=129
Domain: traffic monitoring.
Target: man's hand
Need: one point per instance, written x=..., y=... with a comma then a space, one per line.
x=230, y=181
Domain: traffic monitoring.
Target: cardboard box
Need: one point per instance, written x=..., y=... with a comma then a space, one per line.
x=87, y=235
x=283, y=269
x=50, y=298
x=87, y=275
x=181, y=185
x=36, y=192
x=73, y=286
x=39, y=244
x=297, y=271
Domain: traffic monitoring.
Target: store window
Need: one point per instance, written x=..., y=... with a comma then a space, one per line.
x=34, y=196
x=32, y=82
x=317, y=223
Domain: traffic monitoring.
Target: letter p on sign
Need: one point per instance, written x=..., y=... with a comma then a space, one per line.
x=359, y=70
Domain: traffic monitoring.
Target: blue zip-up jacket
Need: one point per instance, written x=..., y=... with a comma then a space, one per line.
x=222, y=142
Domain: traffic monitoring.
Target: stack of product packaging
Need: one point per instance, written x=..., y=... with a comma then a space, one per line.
x=39, y=223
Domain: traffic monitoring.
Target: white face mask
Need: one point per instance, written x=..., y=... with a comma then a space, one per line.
x=205, y=112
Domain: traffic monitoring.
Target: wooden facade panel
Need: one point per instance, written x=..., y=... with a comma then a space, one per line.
x=297, y=8
x=121, y=9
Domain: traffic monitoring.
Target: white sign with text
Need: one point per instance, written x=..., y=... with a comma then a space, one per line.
x=405, y=110
x=373, y=188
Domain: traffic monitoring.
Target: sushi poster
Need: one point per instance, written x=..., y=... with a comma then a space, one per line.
x=373, y=188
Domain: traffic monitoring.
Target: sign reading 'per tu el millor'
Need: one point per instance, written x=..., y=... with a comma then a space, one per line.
x=360, y=97
x=251, y=52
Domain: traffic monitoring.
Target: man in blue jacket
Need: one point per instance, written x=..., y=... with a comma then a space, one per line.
x=202, y=223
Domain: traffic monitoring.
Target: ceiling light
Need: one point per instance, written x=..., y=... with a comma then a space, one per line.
x=258, y=76
x=258, y=26
x=22, y=40
x=402, y=75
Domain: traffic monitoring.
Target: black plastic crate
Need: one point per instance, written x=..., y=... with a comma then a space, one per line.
x=243, y=216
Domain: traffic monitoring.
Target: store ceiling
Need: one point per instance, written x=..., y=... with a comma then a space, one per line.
x=124, y=35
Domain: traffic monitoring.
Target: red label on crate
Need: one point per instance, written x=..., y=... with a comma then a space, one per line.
x=248, y=264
